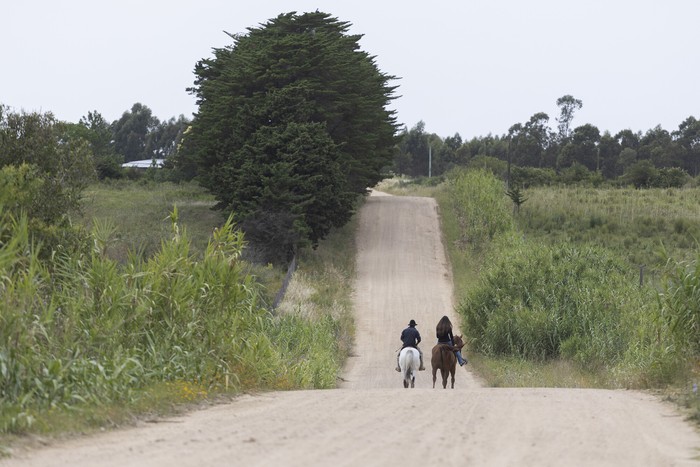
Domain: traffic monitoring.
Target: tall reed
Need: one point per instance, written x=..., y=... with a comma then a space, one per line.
x=96, y=331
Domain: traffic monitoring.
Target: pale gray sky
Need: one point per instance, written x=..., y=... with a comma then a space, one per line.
x=471, y=67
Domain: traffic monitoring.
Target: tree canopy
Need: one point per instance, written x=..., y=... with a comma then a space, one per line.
x=568, y=154
x=292, y=125
x=43, y=171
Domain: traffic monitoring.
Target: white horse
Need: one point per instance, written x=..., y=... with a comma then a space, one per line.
x=409, y=361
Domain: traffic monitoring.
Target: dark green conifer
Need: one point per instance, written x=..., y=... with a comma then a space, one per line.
x=292, y=125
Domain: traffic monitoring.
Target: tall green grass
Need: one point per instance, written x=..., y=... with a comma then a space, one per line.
x=95, y=331
x=544, y=302
x=477, y=202
x=636, y=224
x=531, y=286
x=139, y=211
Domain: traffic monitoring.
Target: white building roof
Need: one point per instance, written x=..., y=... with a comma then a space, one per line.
x=144, y=164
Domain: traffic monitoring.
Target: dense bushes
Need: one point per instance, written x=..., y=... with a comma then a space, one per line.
x=680, y=305
x=94, y=331
x=542, y=301
x=478, y=202
x=557, y=290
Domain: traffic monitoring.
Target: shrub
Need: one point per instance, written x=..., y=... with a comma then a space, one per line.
x=542, y=302
x=680, y=304
x=672, y=177
x=94, y=331
x=530, y=176
x=481, y=206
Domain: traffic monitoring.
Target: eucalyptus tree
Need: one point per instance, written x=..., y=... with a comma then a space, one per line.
x=609, y=153
x=449, y=156
x=568, y=106
x=530, y=142
x=412, y=152
x=131, y=133
x=582, y=148
x=292, y=126
x=688, y=137
x=658, y=146
x=628, y=139
x=166, y=136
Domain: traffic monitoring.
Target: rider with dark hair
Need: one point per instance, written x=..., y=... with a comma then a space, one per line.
x=410, y=338
x=444, y=336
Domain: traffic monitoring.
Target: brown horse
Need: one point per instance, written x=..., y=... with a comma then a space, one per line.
x=443, y=358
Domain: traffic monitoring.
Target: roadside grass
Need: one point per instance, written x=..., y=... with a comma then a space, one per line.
x=113, y=337
x=140, y=212
x=637, y=224
x=404, y=186
x=323, y=285
x=634, y=226
x=515, y=372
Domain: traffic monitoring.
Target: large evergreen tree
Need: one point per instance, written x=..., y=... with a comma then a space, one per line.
x=290, y=114
x=132, y=133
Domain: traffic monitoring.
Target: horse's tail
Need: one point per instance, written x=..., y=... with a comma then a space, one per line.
x=442, y=358
x=410, y=359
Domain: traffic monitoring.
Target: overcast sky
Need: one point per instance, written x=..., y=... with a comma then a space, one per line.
x=467, y=67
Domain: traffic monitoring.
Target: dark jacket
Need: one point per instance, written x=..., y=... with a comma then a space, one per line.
x=447, y=338
x=410, y=337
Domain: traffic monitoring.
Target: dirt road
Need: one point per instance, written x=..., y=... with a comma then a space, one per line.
x=372, y=421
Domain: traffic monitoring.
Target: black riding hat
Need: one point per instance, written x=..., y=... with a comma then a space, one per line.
x=412, y=323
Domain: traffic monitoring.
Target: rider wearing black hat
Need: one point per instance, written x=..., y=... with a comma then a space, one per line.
x=410, y=338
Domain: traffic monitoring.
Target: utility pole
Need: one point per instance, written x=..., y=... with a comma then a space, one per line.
x=508, y=170
x=430, y=161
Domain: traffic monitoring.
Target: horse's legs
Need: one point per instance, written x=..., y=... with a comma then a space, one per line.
x=452, y=373
x=434, y=376
x=444, y=373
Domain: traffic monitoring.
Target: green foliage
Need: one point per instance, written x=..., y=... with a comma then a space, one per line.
x=568, y=105
x=680, y=304
x=413, y=152
x=62, y=165
x=578, y=174
x=672, y=177
x=291, y=113
x=131, y=133
x=44, y=168
x=497, y=167
x=482, y=210
x=94, y=332
x=517, y=197
x=533, y=145
x=299, y=193
x=632, y=223
x=567, y=291
x=526, y=177
x=642, y=174
x=136, y=208
x=543, y=302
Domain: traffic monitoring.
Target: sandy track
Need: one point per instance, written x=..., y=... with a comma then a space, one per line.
x=372, y=420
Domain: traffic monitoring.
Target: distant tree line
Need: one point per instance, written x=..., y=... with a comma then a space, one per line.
x=136, y=135
x=292, y=129
x=45, y=164
x=534, y=153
